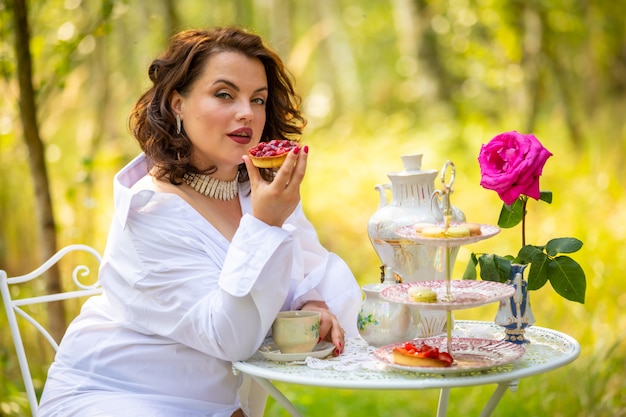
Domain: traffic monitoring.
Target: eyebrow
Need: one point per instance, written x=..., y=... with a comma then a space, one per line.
x=234, y=86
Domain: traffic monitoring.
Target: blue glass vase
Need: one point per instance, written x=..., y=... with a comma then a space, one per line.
x=515, y=313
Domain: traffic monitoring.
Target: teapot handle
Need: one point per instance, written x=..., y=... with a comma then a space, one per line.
x=447, y=191
x=383, y=195
x=444, y=204
x=436, y=208
x=435, y=205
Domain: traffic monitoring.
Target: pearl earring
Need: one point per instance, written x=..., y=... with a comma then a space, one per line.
x=179, y=124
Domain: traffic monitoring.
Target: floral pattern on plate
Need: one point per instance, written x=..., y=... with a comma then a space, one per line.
x=465, y=293
x=470, y=354
x=409, y=232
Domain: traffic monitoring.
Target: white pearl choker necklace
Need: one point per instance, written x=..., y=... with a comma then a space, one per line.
x=212, y=187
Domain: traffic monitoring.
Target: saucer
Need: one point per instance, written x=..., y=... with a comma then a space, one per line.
x=269, y=351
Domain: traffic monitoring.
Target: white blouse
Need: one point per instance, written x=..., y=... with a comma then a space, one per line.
x=181, y=303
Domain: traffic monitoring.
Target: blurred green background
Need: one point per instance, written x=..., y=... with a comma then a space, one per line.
x=379, y=79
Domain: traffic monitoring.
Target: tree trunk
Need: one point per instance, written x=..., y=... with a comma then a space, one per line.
x=171, y=17
x=430, y=54
x=344, y=75
x=531, y=62
x=43, y=200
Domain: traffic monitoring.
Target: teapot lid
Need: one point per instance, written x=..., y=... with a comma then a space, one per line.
x=412, y=162
x=412, y=167
x=387, y=279
x=388, y=276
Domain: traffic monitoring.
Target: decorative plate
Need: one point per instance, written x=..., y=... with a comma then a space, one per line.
x=469, y=354
x=270, y=351
x=465, y=293
x=409, y=232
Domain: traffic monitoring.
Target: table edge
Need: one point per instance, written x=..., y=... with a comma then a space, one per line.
x=447, y=381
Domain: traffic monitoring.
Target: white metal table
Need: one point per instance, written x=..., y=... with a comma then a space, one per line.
x=357, y=368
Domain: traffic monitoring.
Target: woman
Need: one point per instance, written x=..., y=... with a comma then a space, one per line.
x=194, y=276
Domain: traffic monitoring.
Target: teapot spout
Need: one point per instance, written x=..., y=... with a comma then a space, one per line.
x=381, y=188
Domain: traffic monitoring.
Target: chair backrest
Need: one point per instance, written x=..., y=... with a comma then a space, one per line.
x=14, y=306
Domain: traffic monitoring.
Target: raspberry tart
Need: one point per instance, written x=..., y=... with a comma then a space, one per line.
x=410, y=354
x=271, y=154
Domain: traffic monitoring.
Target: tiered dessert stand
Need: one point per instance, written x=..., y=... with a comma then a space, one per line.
x=470, y=354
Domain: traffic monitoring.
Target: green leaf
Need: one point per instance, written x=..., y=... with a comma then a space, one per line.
x=488, y=269
x=546, y=196
x=527, y=253
x=470, y=269
x=538, y=273
x=504, y=267
x=494, y=268
x=567, y=278
x=563, y=245
x=511, y=216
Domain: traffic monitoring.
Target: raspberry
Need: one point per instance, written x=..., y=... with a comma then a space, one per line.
x=274, y=147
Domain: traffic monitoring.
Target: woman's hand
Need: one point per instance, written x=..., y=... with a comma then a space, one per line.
x=273, y=202
x=330, y=330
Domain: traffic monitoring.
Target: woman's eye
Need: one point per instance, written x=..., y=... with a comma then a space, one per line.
x=259, y=101
x=223, y=94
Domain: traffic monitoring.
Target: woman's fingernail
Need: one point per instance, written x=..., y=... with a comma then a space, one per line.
x=306, y=148
x=296, y=150
x=319, y=340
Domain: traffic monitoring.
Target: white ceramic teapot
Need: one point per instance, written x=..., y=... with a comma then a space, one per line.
x=381, y=322
x=413, y=200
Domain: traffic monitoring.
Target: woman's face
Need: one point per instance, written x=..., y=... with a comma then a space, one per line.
x=223, y=113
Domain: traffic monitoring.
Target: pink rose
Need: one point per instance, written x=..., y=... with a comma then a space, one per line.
x=511, y=164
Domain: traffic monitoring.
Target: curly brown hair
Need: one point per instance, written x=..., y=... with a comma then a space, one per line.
x=153, y=122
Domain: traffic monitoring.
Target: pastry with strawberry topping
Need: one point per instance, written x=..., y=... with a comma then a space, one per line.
x=271, y=154
x=421, y=355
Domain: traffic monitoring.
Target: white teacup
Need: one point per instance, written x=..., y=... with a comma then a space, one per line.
x=296, y=331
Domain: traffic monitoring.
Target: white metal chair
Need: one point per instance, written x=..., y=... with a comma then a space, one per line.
x=13, y=305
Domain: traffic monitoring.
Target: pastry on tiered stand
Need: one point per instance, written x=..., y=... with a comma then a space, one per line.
x=448, y=295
